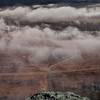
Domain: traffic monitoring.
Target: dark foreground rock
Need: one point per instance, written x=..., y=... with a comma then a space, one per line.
x=56, y=96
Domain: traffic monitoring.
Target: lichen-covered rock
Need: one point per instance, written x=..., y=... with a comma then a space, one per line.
x=56, y=96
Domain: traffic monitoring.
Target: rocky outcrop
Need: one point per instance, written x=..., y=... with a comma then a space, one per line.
x=56, y=96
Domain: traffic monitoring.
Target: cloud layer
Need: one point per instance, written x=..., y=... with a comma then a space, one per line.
x=36, y=44
x=44, y=14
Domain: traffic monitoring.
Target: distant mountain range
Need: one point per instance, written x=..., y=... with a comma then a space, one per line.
x=30, y=2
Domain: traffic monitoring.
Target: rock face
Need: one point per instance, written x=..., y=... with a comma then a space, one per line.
x=19, y=82
x=56, y=96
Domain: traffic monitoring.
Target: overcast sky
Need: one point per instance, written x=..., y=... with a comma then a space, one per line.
x=30, y=2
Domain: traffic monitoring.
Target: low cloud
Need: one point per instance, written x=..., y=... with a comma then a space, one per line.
x=43, y=14
x=45, y=45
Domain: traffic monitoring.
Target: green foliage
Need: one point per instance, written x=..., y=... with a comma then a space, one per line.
x=56, y=96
